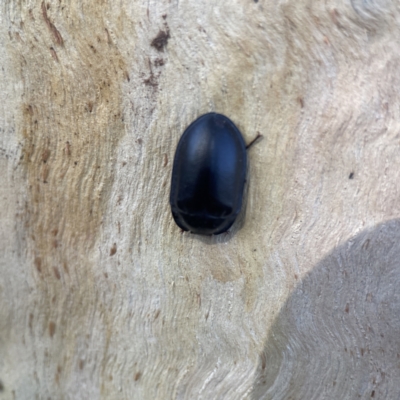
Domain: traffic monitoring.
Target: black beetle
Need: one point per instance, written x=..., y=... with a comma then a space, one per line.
x=208, y=175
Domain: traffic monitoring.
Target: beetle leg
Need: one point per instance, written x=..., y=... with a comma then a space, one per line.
x=254, y=140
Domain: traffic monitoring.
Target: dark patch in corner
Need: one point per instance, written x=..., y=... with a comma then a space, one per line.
x=161, y=40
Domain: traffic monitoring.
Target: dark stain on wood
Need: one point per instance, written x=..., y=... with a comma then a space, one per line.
x=113, y=249
x=45, y=155
x=52, y=328
x=366, y=245
x=263, y=361
x=161, y=40
x=57, y=273
x=67, y=149
x=151, y=80
x=90, y=106
x=53, y=54
x=57, y=36
x=65, y=266
x=38, y=264
x=137, y=376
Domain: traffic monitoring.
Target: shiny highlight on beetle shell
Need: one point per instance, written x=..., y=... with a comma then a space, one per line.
x=208, y=175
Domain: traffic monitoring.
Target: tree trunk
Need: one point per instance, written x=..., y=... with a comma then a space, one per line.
x=103, y=297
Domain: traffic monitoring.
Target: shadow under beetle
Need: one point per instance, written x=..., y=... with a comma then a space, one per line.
x=208, y=176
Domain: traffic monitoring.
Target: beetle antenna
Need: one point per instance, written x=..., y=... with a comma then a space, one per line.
x=254, y=140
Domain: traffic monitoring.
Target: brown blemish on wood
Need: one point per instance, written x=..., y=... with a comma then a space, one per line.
x=45, y=173
x=137, y=376
x=57, y=273
x=53, y=54
x=198, y=295
x=263, y=360
x=65, y=266
x=151, y=80
x=29, y=110
x=224, y=274
x=334, y=13
x=57, y=36
x=67, y=148
x=109, y=41
x=157, y=314
x=45, y=155
x=113, y=249
x=90, y=106
x=52, y=328
x=57, y=375
x=81, y=364
x=38, y=264
x=161, y=40
x=347, y=308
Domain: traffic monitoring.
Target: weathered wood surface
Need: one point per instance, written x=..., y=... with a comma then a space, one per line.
x=102, y=297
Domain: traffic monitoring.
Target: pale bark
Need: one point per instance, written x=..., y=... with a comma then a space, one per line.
x=102, y=296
